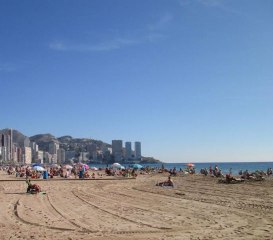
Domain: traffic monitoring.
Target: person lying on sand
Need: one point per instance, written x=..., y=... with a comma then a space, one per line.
x=229, y=178
x=168, y=183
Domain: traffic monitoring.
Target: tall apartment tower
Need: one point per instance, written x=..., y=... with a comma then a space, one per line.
x=53, y=147
x=10, y=144
x=34, y=149
x=117, y=150
x=3, y=148
x=138, y=150
x=27, y=155
x=6, y=143
x=128, y=150
x=91, y=148
x=60, y=156
x=20, y=155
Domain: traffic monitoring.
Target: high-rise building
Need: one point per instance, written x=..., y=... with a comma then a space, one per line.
x=34, y=150
x=128, y=150
x=20, y=155
x=15, y=154
x=39, y=157
x=53, y=158
x=92, y=149
x=60, y=156
x=138, y=150
x=26, y=142
x=10, y=134
x=53, y=147
x=6, y=142
x=117, y=150
x=83, y=156
x=27, y=155
x=4, y=154
x=47, y=157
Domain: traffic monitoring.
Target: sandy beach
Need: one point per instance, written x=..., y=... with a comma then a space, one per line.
x=198, y=207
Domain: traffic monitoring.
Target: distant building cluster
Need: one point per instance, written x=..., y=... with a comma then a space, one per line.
x=11, y=152
x=119, y=153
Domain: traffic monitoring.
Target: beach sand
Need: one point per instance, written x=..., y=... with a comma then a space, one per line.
x=197, y=208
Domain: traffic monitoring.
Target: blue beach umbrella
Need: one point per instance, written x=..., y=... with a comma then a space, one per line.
x=137, y=166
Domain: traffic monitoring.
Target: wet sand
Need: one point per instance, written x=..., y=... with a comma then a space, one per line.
x=197, y=208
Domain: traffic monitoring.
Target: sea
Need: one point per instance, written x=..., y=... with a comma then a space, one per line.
x=226, y=167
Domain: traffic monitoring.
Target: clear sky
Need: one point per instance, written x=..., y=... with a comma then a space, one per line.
x=191, y=79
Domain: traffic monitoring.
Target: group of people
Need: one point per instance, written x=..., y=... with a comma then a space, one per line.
x=215, y=172
x=243, y=175
x=128, y=172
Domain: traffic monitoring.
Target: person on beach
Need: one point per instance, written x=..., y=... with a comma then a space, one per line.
x=168, y=183
x=32, y=188
x=210, y=170
x=229, y=178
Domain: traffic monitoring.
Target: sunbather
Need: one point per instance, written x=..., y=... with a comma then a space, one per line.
x=168, y=183
x=32, y=188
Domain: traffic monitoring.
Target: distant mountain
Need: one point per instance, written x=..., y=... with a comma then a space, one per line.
x=64, y=139
x=68, y=143
x=43, y=140
x=79, y=144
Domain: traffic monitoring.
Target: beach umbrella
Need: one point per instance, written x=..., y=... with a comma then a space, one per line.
x=38, y=168
x=137, y=166
x=190, y=165
x=116, y=165
x=94, y=168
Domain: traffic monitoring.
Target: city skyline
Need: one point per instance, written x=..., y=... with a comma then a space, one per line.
x=191, y=80
x=44, y=150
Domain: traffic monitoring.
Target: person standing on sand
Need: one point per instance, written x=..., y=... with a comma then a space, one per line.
x=210, y=170
x=29, y=185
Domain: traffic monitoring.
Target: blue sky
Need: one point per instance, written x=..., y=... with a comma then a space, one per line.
x=191, y=79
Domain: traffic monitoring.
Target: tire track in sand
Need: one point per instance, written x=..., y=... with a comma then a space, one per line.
x=116, y=215
x=16, y=213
